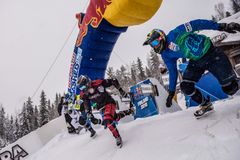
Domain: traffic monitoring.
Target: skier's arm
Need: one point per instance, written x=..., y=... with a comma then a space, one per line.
x=114, y=82
x=173, y=73
x=87, y=105
x=197, y=25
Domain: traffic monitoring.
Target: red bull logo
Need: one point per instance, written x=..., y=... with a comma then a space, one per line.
x=94, y=16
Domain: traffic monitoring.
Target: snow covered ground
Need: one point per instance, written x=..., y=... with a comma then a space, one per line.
x=173, y=136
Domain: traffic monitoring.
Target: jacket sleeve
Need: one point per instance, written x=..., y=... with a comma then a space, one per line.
x=111, y=82
x=86, y=103
x=173, y=73
x=197, y=25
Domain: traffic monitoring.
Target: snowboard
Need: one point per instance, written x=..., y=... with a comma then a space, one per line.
x=206, y=114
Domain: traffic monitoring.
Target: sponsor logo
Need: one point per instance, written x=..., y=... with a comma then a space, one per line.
x=94, y=16
x=188, y=27
x=143, y=103
x=17, y=153
x=174, y=47
x=74, y=70
x=194, y=43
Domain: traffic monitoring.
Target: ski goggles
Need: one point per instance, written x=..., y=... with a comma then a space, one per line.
x=82, y=87
x=154, y=43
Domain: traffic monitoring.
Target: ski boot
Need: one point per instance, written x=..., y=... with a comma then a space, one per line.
x=119, y=142
x=78, y=129
x=132, y=111
x=93, y=132
x=205, y=107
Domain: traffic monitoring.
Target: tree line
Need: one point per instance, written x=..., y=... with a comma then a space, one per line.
x=130, y=74
x=29, y=119
x=221, y=12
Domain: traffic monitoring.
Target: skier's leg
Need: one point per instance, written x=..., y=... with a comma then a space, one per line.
x=70, y=127
x=192, y=75
x=221, y=68
x=109, y=113
x=123, y=113
x=85, y=124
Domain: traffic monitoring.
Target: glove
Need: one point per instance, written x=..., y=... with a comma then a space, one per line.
x=123, y=93
x=90, y=115
x=169, y=98
x=230, y=28
x=93, y=119
x=115, y=83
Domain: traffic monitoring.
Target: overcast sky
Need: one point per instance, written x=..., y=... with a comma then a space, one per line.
x=33, y=32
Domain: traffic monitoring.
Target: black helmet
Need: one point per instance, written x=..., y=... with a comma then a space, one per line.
x=83, y=82
x=156, y=39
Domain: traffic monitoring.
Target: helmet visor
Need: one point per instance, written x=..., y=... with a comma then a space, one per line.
x=154, y=43
x=82, y=87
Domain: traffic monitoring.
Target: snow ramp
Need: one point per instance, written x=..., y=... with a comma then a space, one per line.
x=172, y=136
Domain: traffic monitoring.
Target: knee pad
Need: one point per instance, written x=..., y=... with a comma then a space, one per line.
x=82, y=121
x=187, y=88
x=231, y=88
x=96, y=121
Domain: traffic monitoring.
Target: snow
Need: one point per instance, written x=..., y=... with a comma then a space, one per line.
x=168, y=137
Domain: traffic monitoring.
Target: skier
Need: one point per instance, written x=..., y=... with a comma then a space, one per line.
x=95, y=91
x=62, y=110
x=75, y=120
x=183, y=42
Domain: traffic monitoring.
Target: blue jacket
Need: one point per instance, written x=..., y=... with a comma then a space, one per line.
x=182, y=42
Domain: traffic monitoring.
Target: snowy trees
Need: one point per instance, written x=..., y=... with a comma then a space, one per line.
x=222, y=13
x=129, y=75
x=235, y=5
x=2, y=127
x=29, y=119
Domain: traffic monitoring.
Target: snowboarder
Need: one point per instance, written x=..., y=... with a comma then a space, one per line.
x=75, y=120
x=95, y=92
x=62, y=110
x=183, y=42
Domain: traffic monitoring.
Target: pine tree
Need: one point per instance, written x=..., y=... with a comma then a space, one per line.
x=43, y=112
x=2, y=127
x=148, y=72
x=17, y=131
x=24, y=125
x=154, y=64
x=141, y=73
x=12, y=130
x=50, y=110
x=235, y=5
x=29, y=114
x=9, y=130
x=133, y=73
x=36, y=118
x=55, y=105
x=110, y=72
x=220, y=10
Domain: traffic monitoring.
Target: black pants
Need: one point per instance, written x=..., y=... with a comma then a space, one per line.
x=217, y=63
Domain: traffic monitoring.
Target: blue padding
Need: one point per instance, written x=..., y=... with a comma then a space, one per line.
x=91, y=57
x=101, y=54
x=93, y=63
x=99, y=73
x=96, y=48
